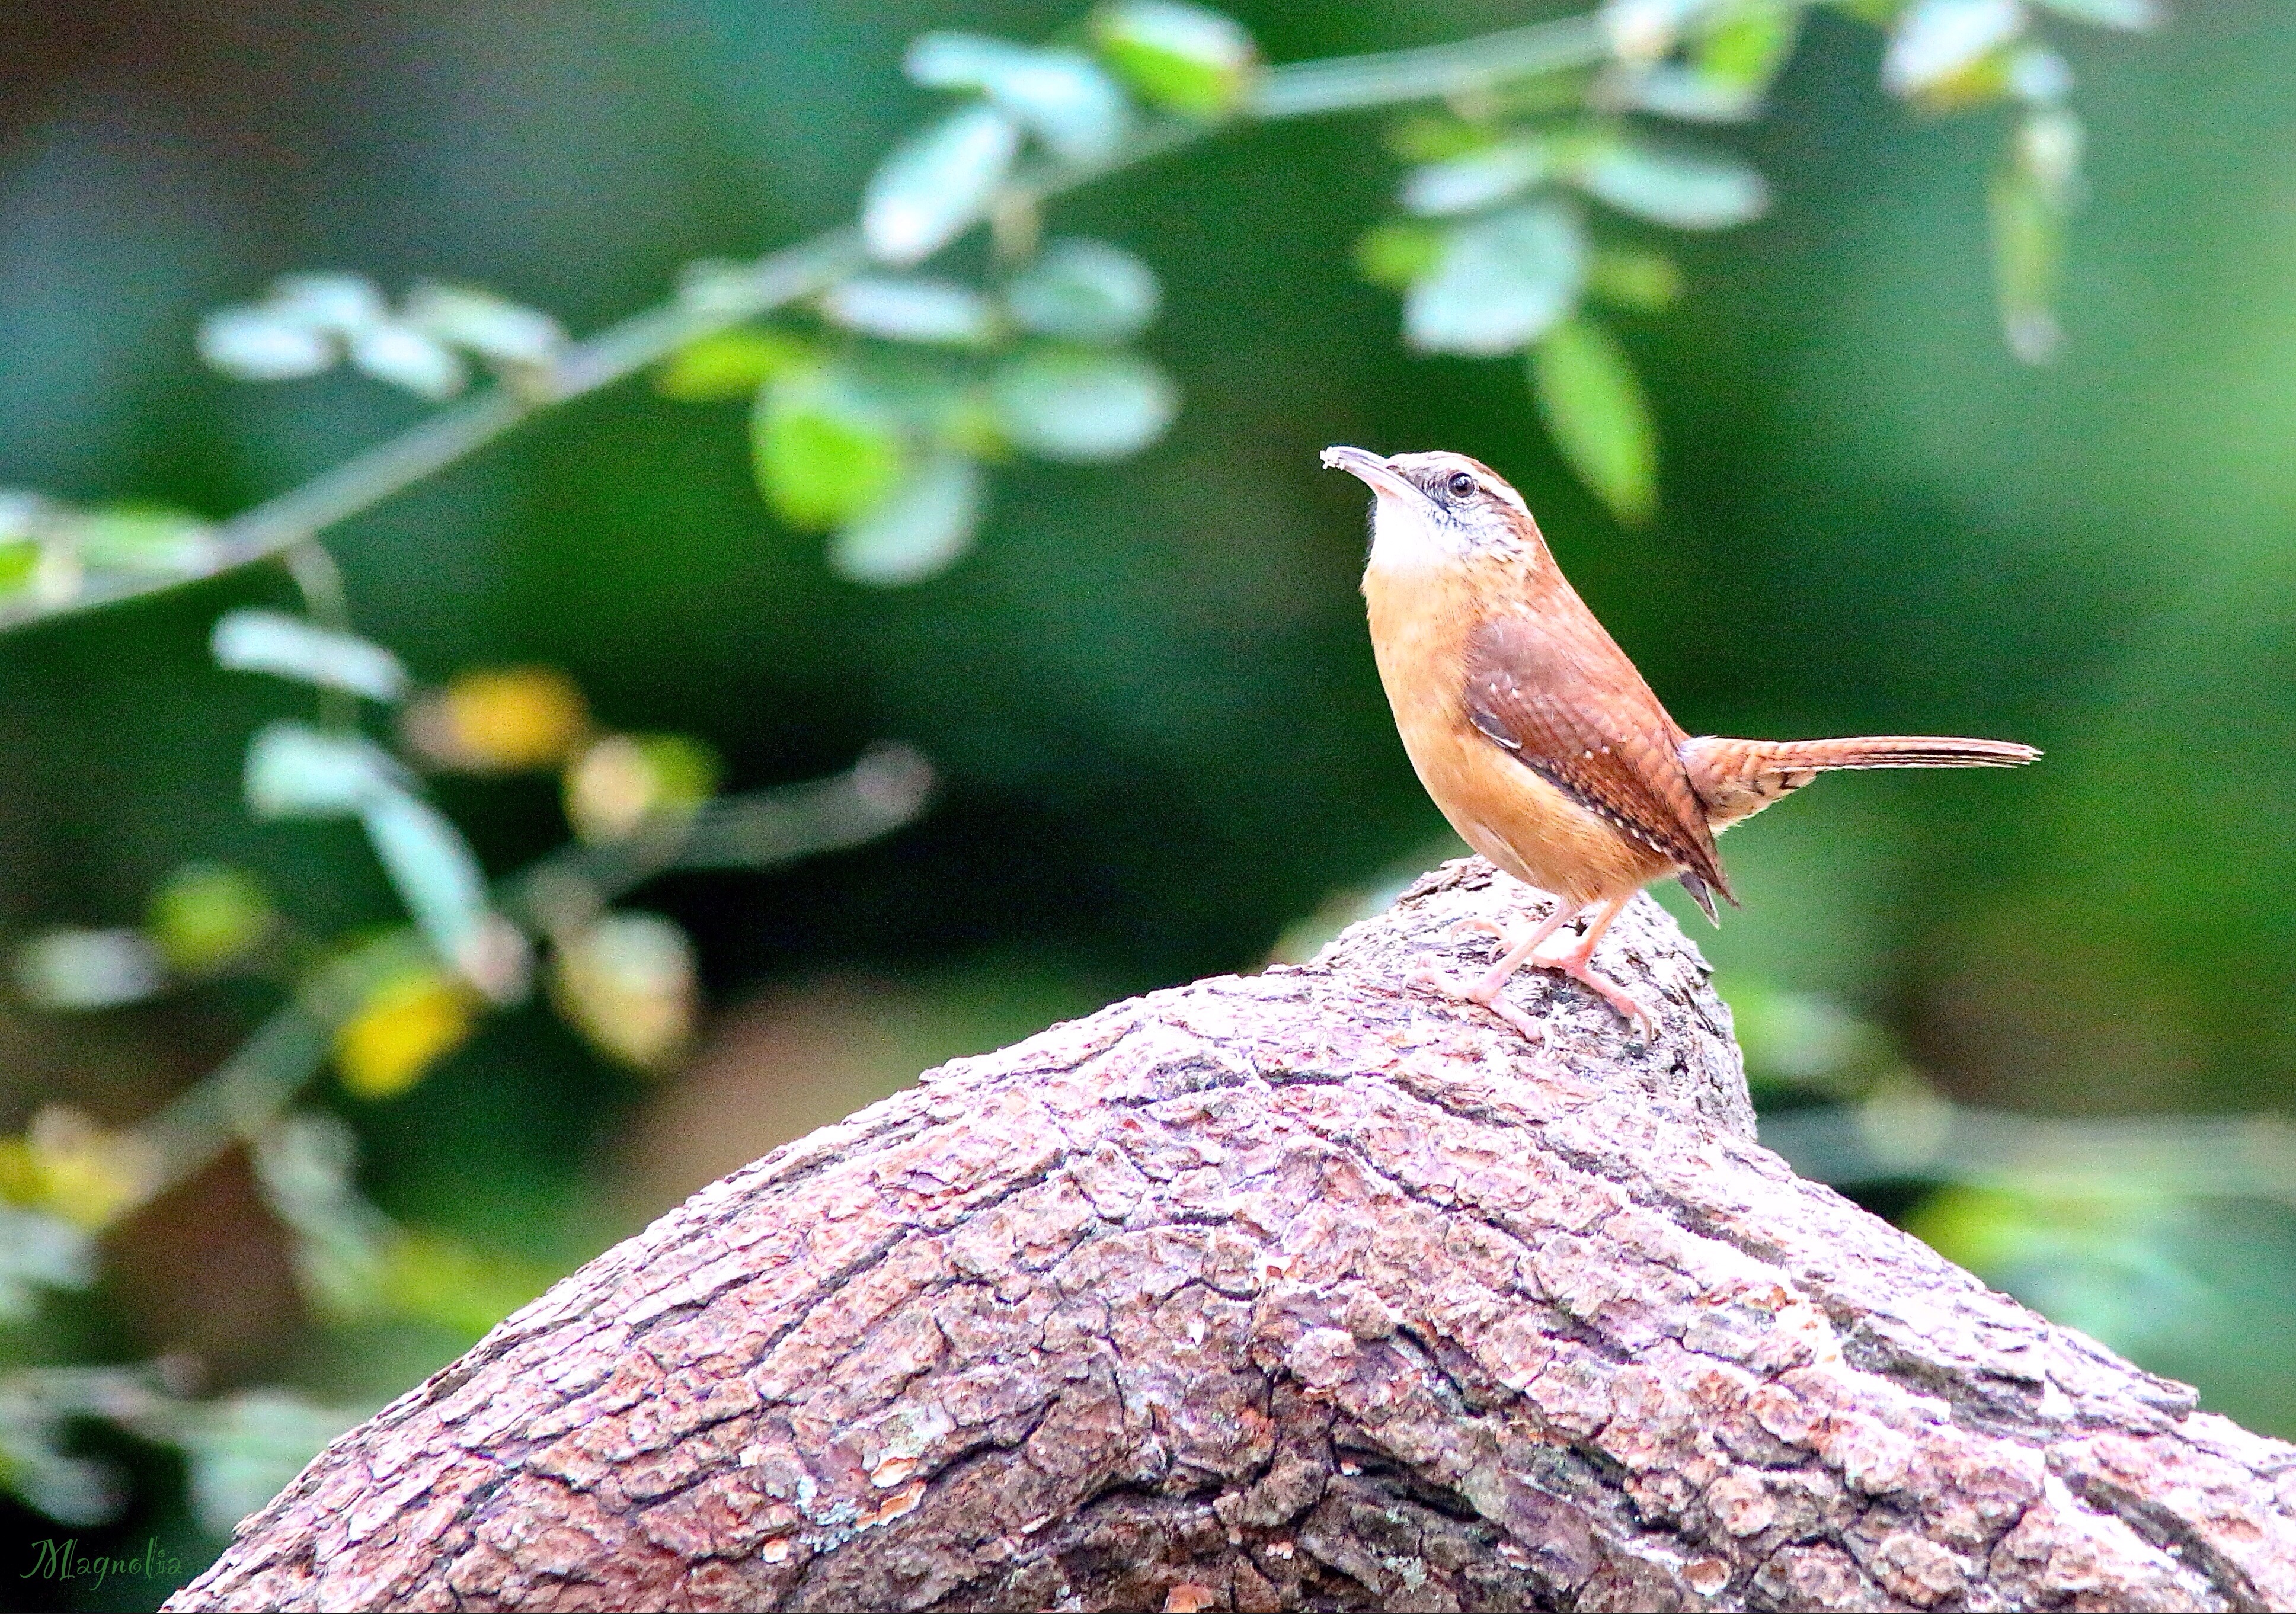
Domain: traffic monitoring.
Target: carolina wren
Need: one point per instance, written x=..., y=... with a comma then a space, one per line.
x=1536, y=735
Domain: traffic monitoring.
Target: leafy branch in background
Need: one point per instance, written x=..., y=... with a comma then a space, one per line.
x=1493, y=255
x=883, y=397
x=386, y=1008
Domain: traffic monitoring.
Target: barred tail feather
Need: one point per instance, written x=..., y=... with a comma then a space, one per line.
x=1884, y=750
x=1737, y=778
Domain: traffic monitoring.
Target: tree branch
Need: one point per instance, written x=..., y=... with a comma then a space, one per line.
x=1298, y=1290
x=1462, y=67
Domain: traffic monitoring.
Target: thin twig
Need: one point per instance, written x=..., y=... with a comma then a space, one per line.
x=235, y=1101
x=1348, y=84
x=884, y=790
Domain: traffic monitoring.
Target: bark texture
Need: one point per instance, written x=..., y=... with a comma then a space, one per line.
x=1301, y=1290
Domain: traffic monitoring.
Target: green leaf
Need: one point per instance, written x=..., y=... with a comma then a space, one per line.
x=1499, y=282
x=730, y=364
x=295, y=771
x=2135, y=16
x=2037, y=76
x=1428, y=138
x=1801, y=1040
x=495, y=328
x=20, y=561
x=142, y=538
x=37, y=1460
x=1627, y=277
x=1081, y=405
x=271, y=641
x=257, y=343
x=824, y=455
x=1548, y=95
x=1398, y=252
x=207, y=916
x=433, y=870
x=911, y=308
x=433, y=1278
x=1748, y=42
x=1687, y=190
x=1937, y=41
x=1641, y=31
x=1082, y=290
x=2028, y=265
x=1594, y=406
x=919, y=532
x=2030, y=201
x=39, y=1251
x=912, y=391
x=1671, y=90
x=686, y=771
x=1178, y=58
x=935, y=186
x=2047, y=146
x=1736, y=50
x=407, y=357
x=74, y=969
x=305, y=1166
x=1065, y=97
x=2109, y=1256
x=327, y=299
x=1479, y=179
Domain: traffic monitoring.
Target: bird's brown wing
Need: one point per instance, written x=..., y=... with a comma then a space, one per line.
x=1579, y=716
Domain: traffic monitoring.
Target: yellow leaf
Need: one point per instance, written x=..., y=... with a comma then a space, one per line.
x=74, y=1169
x=627, y=983
x=627, y=781
x=20, y=1172
x=500, y=720
x=406, y=1025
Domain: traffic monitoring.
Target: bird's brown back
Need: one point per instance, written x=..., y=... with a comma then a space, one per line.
x=1546, y=682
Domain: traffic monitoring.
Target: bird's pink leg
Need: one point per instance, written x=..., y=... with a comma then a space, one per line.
x=1575, y=963
x=1487, y=990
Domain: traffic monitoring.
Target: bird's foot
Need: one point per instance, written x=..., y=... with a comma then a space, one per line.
x=1489, y=927
x=1578, y=966
x=1517, y=943
x=1484, y=993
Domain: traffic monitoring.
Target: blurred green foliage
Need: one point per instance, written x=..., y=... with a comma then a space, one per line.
x=1145, y=685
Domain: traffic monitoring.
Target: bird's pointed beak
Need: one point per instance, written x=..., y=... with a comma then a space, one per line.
x=1375, y=473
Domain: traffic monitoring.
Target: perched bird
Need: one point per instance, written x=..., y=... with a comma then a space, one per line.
x=1536, y=735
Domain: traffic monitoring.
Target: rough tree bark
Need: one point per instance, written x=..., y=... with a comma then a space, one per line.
x=1301, y=1290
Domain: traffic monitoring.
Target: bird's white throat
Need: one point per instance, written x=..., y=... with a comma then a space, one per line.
x=1406, y=535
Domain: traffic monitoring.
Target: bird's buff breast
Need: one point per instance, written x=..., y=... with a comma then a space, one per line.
x=1498, y=805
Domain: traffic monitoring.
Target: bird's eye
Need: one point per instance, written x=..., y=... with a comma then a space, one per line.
x=1462, y=484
